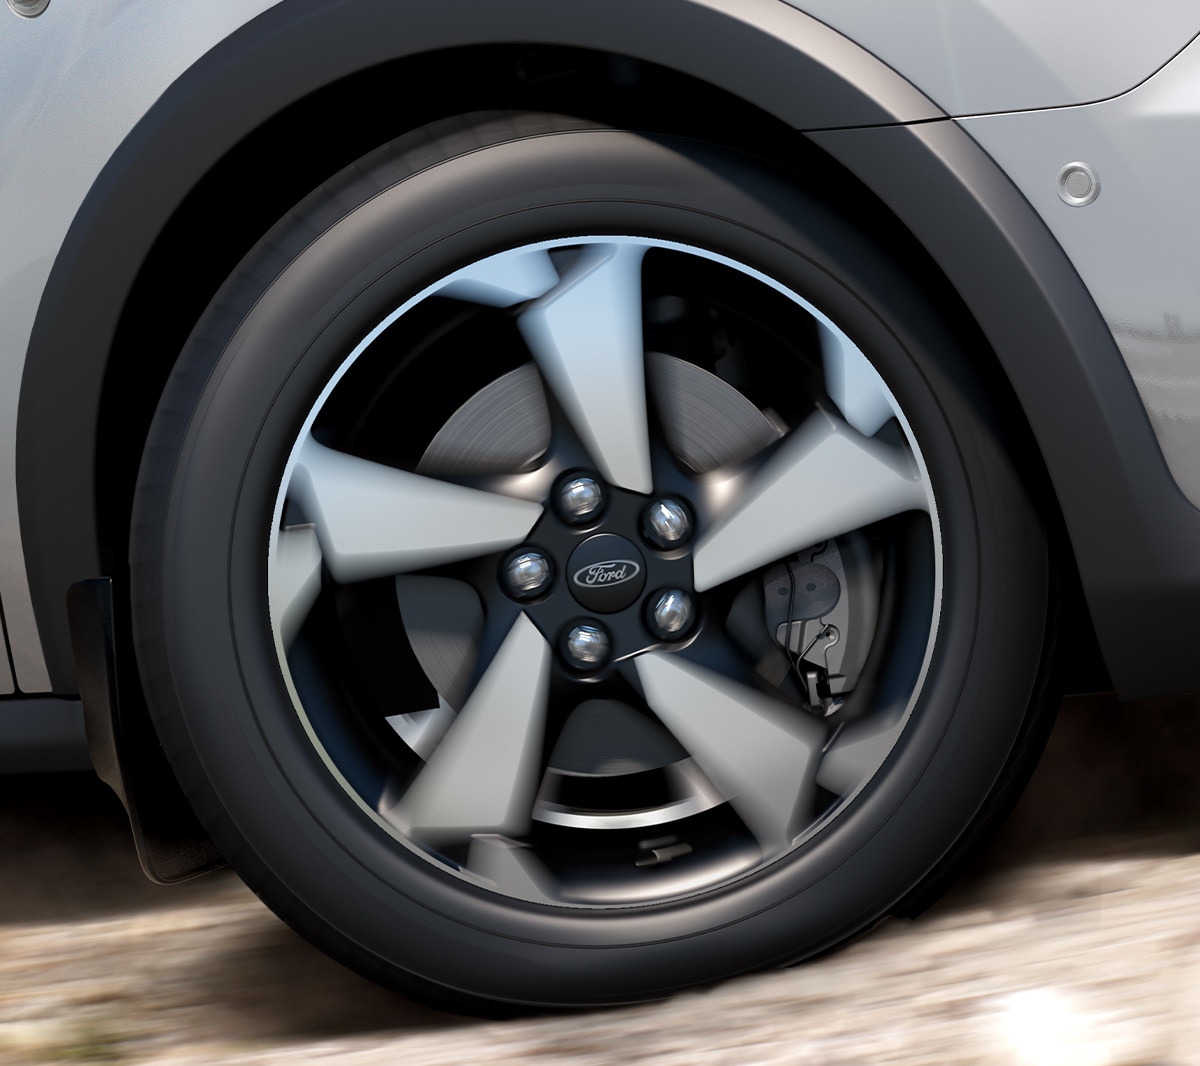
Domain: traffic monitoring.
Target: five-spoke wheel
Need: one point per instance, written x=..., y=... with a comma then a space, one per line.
x=623, y=598
x=571, y=564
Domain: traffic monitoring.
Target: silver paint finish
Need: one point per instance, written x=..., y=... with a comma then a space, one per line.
x=1136, y=247
x=374, y=521
x=87, y=73
x=295, y=581
x=843, y=481
x=756, y=750
x=586, y=337
x=974, y=56
x=483, y=777
x=29, y=9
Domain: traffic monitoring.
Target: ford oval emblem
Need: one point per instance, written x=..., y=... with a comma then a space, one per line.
x=609, y=572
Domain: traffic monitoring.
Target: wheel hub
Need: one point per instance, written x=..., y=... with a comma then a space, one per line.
x=606, y=573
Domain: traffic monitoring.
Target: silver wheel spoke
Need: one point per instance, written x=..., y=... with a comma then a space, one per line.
x=760, y=753
x=511, y=867
x=294, y=581
x=505, y=279
x=859, y=750
x=373, y=520
x=423, y=730
x=825, y=480
x=483, y=776
x=854, y=384
x=586, y=336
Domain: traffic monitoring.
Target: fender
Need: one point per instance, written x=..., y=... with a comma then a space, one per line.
x=985, y=236
x=1132, y=529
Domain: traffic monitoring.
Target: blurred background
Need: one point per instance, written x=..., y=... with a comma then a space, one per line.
x=1074, y=940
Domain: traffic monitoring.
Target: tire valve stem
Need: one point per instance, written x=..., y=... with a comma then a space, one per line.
x=660, y=850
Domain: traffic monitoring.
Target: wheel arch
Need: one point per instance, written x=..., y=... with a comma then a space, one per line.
x=301, y=60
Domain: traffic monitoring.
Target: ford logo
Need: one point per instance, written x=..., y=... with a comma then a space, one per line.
x=610, y=572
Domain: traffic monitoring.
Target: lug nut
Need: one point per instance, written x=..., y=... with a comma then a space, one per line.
x=588, y=646
x=527, y=574
x=666, y=523
x=580, y=499
x=670, y=614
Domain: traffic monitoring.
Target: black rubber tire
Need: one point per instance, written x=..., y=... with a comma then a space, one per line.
x=410, y=213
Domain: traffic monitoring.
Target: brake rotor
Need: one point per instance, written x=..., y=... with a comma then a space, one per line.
x=503, y=429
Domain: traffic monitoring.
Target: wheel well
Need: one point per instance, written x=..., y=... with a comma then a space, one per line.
x=266, y=174
x=246, y=191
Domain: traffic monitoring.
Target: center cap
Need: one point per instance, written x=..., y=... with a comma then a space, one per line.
x=606, y=573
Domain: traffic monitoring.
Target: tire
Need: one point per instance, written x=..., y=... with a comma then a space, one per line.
x=455, y=736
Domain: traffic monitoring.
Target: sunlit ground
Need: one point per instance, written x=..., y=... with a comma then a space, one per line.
x=1075, y=941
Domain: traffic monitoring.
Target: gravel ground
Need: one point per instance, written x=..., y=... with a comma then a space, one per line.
x=1075, y=941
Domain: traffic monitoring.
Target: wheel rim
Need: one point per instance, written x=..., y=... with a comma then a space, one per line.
x=634, y=611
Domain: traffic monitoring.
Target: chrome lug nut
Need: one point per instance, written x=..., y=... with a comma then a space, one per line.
x=670, y=614
x=588, y=646
x=580, y=499
x=666, y=523
x=527, y=574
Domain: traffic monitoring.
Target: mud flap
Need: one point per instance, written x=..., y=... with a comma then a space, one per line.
x=125, y=752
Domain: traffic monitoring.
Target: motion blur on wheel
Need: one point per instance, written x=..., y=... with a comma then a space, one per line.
x=566, y=590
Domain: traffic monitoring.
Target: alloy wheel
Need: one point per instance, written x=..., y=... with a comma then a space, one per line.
x=633, y=608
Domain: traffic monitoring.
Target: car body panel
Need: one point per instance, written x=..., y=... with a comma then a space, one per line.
x=1135, y=246
x=85, y=75
x=977, y=56
x=95, y=165
x=1132, y=530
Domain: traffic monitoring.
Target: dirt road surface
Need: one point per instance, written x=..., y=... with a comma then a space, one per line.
x=1075, y=941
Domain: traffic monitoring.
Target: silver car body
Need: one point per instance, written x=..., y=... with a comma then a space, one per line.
x=1038, y=87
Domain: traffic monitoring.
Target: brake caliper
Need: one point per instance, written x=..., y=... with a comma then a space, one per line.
x=821, y=606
